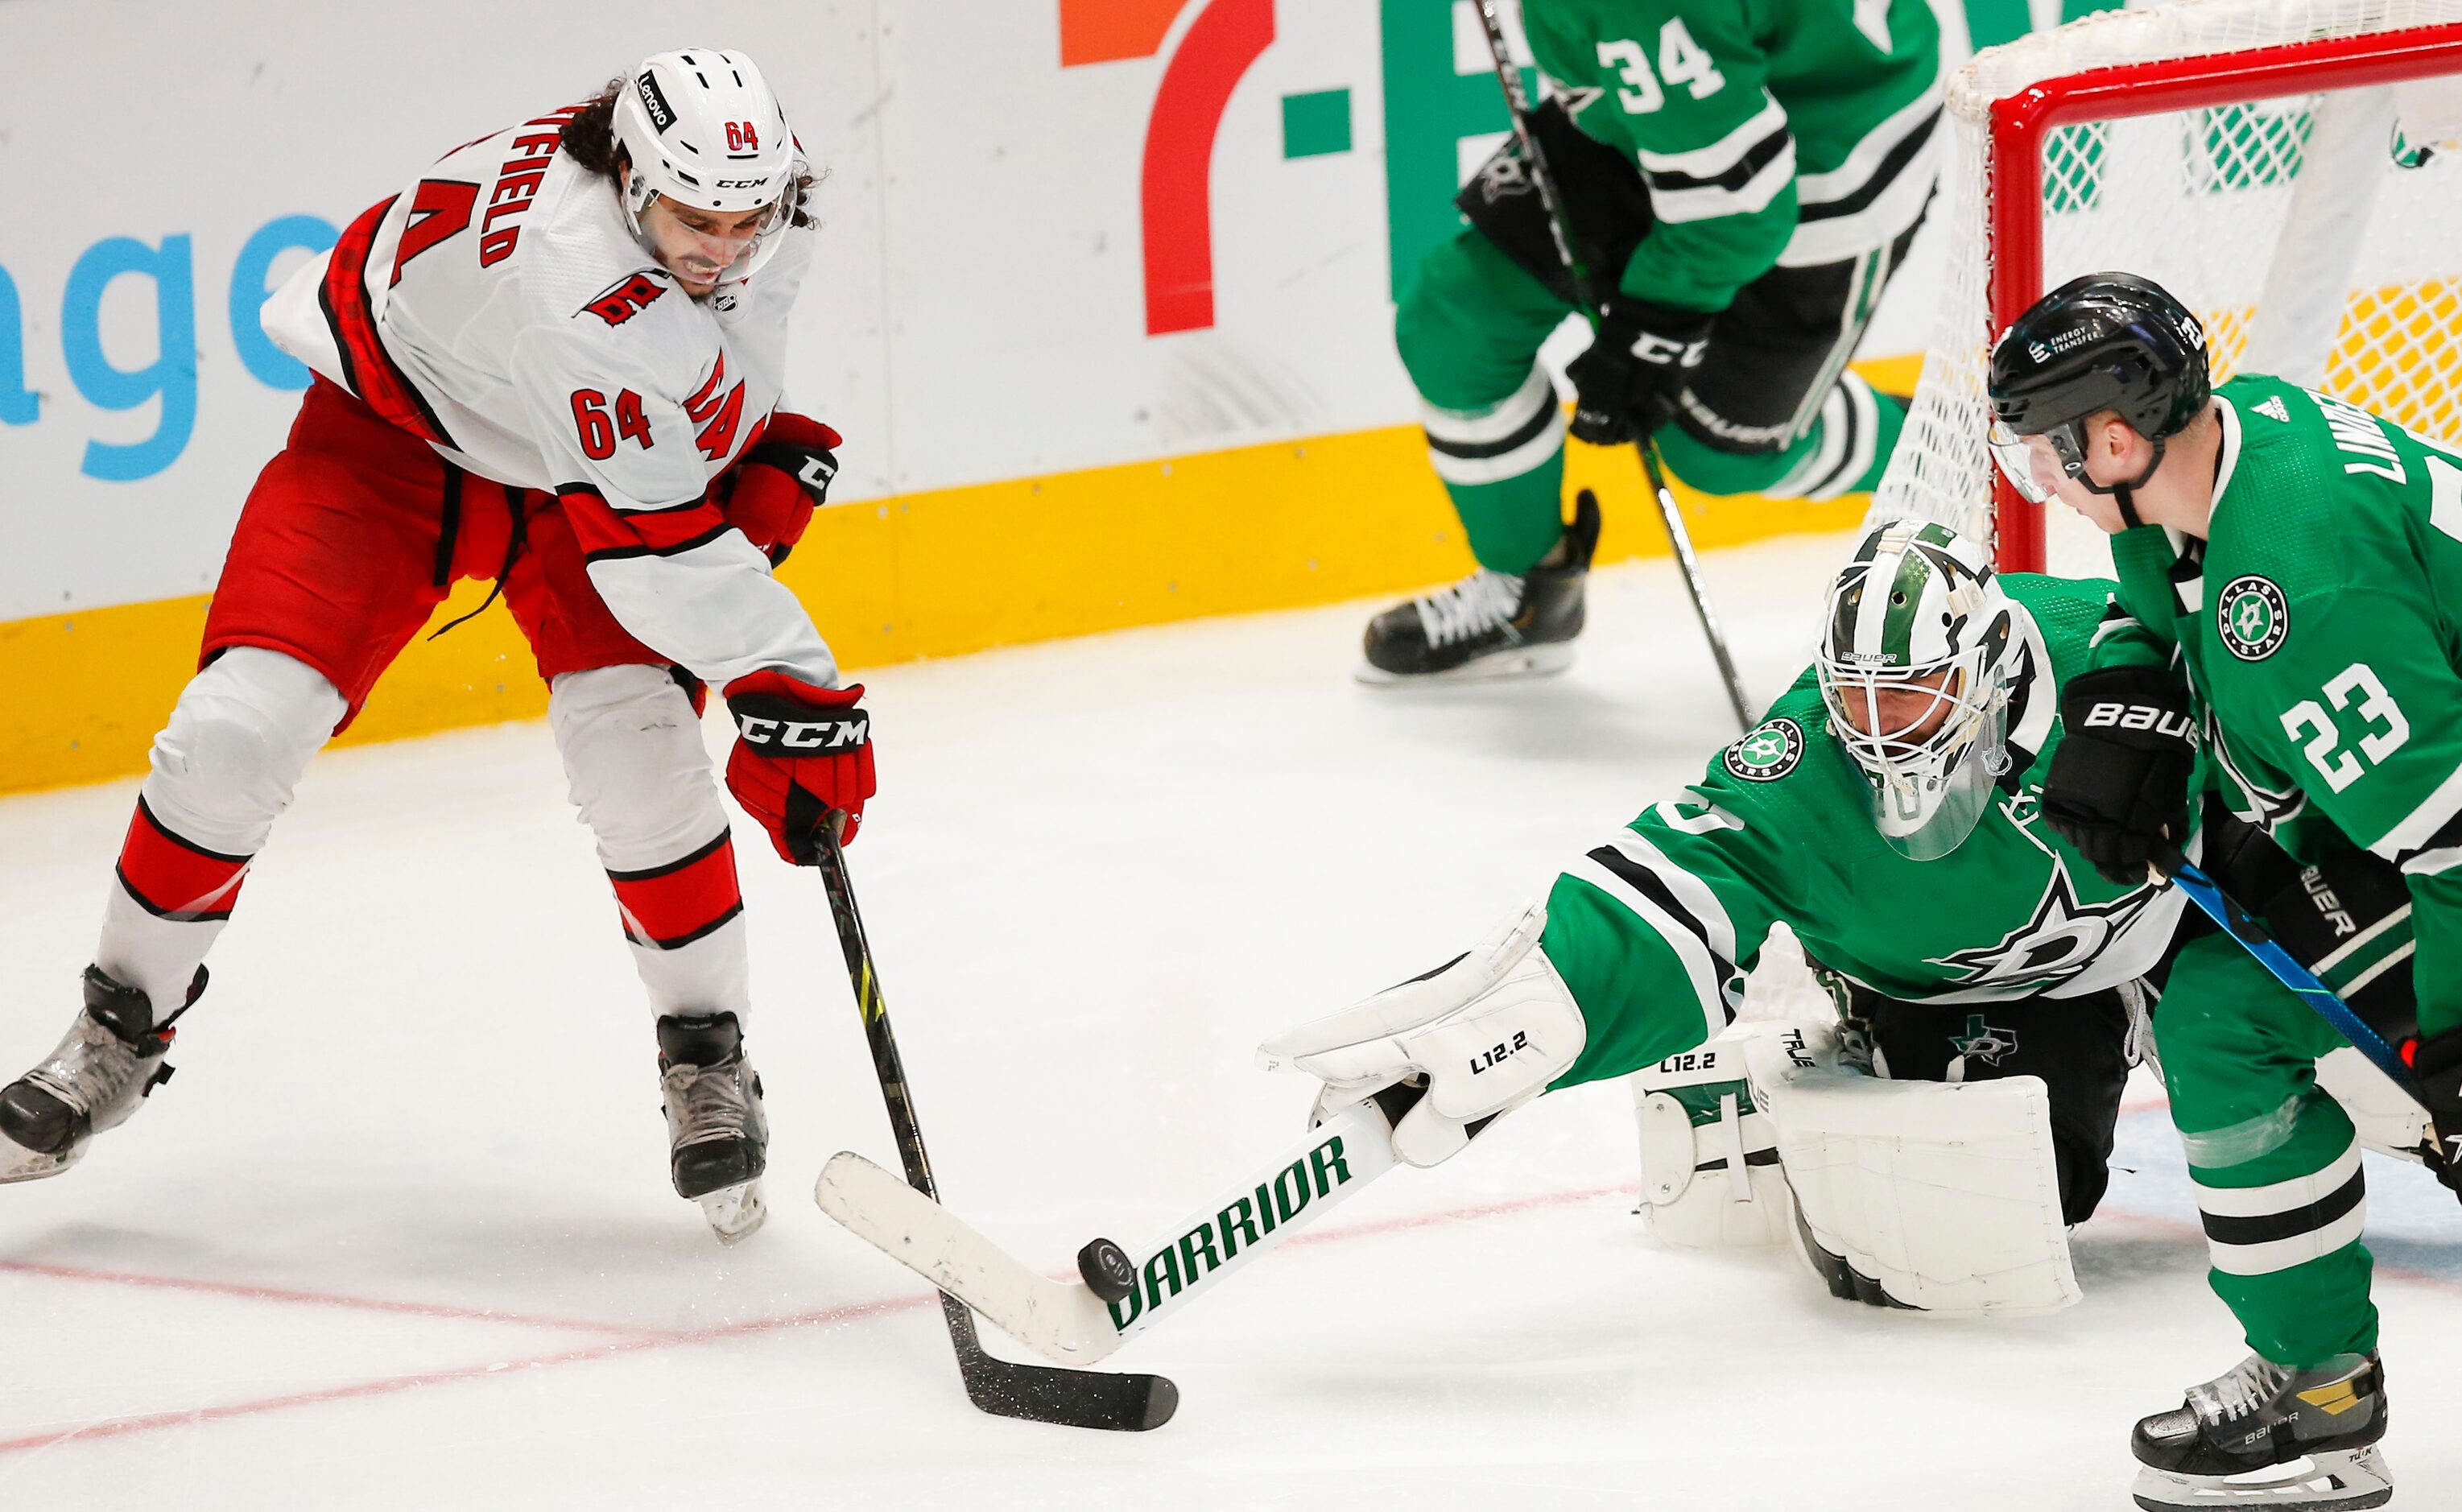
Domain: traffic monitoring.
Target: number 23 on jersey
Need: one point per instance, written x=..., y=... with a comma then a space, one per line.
x=2388, y=729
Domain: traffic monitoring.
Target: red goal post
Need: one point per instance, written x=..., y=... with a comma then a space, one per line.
x=2208, y=144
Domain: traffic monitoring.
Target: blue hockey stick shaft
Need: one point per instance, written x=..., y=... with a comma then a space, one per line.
x=2243, y=926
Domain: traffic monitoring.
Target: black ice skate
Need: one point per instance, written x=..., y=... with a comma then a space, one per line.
x=718, y=1141
x=1490, y=624
x=2266, y=1436
x=107, y=1064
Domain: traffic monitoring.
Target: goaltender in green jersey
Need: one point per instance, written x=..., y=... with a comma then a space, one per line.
x=1886, y=811
x=1747, y=177
x=2290, y=585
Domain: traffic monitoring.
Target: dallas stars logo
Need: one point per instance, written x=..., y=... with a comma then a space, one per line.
x=1984, y=1042
x=2060, y=940
x=2252, y=617
x=1767, y=752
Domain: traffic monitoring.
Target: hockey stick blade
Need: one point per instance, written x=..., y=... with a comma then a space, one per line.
x=1060, y=1320
x=1064, y=1319
x=1127, y=1402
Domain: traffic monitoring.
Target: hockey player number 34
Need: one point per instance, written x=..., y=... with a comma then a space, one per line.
x=1680, y=61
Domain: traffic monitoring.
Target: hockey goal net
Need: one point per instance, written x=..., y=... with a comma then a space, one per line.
x=2288, y=168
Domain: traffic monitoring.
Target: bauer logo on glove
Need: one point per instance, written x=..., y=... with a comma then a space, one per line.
x=2112, y=714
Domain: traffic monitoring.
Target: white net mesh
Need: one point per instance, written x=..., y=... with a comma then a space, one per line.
x=2291, y=224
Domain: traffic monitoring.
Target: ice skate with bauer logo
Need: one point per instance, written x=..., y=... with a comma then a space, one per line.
x=1490, y=624
x=2267, y=1435
x=718, y=1140
x=103, y=1069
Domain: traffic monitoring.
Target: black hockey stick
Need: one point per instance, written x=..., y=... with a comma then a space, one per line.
x=1040, y=1394
x=1587, y=294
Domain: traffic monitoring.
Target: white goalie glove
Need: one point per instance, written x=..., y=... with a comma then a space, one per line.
x=1482, y=1035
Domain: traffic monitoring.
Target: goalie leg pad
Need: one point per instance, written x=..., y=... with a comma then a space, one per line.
x=1936, y=1197
x=1710, y=1173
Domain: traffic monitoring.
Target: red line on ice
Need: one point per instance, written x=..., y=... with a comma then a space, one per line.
x=325, y=1298
x=630, y=1341
x=118, y=1427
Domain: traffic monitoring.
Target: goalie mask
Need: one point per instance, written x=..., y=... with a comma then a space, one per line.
x=702, y=128
x=1917, y=648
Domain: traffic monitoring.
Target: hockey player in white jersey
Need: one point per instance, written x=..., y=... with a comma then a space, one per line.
x=555, y=360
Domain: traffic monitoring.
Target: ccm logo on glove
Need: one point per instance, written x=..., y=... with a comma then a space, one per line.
x=1660, y=350
x=837, y=733
x=2165, y=721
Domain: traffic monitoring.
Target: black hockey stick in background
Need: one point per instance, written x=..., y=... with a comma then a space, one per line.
x=1587, y=294
x=1040, y=1394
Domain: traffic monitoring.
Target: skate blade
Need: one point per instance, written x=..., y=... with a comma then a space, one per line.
x=1520, y=661
x=2327, y=1482
x=735, y=1212
x=17, y=1163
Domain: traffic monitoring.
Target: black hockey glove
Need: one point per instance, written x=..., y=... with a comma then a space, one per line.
x=1629, y=382
x=2118, y=789
x=2437, y=1065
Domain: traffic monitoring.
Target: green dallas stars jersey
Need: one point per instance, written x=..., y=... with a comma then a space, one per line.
x=2320, y=624
x=1655, y=929
x=1795, y=131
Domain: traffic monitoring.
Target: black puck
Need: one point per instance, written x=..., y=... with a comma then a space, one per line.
x=1108, y=1271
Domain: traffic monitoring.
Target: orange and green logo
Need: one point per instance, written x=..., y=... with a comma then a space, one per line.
x=1441, y=109
x=1176, y=198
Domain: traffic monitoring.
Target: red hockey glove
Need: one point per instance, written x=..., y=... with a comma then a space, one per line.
x=779, y=482
x=800, y=752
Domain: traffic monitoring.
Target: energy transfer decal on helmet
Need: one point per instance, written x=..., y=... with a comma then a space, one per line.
x=2252, y=616
x=1767, y=752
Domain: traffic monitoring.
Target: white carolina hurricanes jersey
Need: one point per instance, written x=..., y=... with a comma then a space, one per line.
x=500, y=309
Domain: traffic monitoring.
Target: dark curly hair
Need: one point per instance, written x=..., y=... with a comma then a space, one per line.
x=589, y=140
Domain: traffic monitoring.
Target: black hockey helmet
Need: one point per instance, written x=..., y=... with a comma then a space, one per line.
x=2105, y=341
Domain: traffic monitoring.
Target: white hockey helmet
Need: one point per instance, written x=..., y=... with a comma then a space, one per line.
x=702, y=128
x=1919, y=619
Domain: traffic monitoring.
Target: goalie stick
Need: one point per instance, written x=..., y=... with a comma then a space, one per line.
x=1065, y=1320
x=1036, y=1393
x=1586, y=293
x=2244, y=927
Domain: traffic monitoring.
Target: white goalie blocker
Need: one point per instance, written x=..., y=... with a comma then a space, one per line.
x=1927, y=1196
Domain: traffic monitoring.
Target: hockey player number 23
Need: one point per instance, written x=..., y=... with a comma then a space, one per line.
x=1682, y=60
x=2341, y=767
x=598, y=437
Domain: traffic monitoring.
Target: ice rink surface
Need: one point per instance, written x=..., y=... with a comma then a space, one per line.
x=399, y=1236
